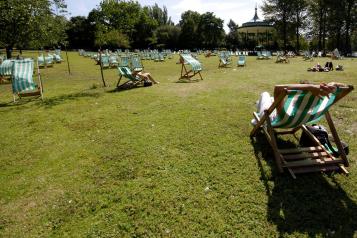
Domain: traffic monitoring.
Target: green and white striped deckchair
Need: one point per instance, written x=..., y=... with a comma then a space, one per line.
x=113, y=61
x=196, y=67
x=105, y=61
x=6, y=68
x=45, y=61
x=136, y=64
x=57, y=58
x=241, y=61
x=132, y=80
x=299, y=108
x=124, y=61
x=224, y=59
x=22, y=80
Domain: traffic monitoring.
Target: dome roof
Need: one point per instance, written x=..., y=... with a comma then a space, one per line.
x=256, y=21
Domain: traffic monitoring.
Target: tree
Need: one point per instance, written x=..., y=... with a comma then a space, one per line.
x=211, y=30
x=189, y=29
x=279, y=12
x=80, y=33
x=23, y=22
x=232, y=39
x=167, y=36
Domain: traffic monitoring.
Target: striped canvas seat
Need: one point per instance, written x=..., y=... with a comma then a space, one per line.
x=6, y=68
x=299, y=108
x=195, y=64
x=196, y=67
x=124, y=61
x=133, y=81
x=113, y=61
x=105, y=61
x=136, y=64
x=22, y=80
x=302, y=107
x=241, y=60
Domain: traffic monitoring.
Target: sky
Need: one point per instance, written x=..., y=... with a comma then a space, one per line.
x=239, y=11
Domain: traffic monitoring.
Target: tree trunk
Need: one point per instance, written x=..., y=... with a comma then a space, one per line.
x=297, y=31
x=284, y=29
x=348, y=27
x=9, y=52
x=320, y=25
x=324, y=31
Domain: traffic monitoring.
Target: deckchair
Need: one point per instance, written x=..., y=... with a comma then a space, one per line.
x=22, y=80
x=301, y=108
x=281, y=59
x=260, y=56
x=113, y=61
x=241, y=61
x=41, y=61
x=6, y=68
x=223, y=60
x=57, y=58
x=132, y=80
x=136, y=64
x=124, y=61
x=49, y=60
x=196, y=67
x=105, y=61
x=307, y=56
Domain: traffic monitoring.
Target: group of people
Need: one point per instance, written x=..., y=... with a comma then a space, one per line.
x=327, y=68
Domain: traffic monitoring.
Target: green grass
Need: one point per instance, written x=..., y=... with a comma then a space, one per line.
x=171, y=160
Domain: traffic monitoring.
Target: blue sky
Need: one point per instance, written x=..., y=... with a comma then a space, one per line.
x=238, y=10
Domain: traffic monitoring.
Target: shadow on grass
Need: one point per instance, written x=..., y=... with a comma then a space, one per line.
x=184, y=80
x=54, y=101
x=313, y=204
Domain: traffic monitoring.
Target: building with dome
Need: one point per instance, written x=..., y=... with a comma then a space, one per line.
x=256, y=32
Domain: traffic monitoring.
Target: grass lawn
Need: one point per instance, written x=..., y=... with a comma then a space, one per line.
x=171, y=160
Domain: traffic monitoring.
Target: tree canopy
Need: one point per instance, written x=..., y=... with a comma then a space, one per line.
x=325, y=24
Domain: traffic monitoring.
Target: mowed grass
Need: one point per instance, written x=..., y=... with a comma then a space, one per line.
x=171, y=160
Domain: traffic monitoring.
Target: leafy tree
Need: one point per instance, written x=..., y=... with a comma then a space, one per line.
x=279, y=12
x=30, y=22
x=232, y=39
x=189, y=24
x=81, y=33
x=167, y=36
x=211, y=30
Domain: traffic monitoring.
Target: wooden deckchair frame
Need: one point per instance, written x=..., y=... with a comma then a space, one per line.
x=301, y=159
x=135, y=82
x=37, y=93
x=187, y=74
x=223, y=63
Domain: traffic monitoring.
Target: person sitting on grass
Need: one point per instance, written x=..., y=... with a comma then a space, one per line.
x=265, y=100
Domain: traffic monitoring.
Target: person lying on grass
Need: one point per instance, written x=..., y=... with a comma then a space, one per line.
x=318, y=68
x=145, y=76
x=265, y=100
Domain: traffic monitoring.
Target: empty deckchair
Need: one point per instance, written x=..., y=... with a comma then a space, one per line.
x=301, y=107
x=49, y=60
x=196, y=67
x=22, y=80
x=105, y=61
x=132, y=80
x=124, y=61
x=136, y=64
x=260, y=56
x=241, y=61
x=224, y=60
x=6, y=68
x=113, y=61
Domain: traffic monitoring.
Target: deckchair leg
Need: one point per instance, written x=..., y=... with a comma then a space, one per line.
x=273, y=142
x=336, y=138
x=119, y=81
